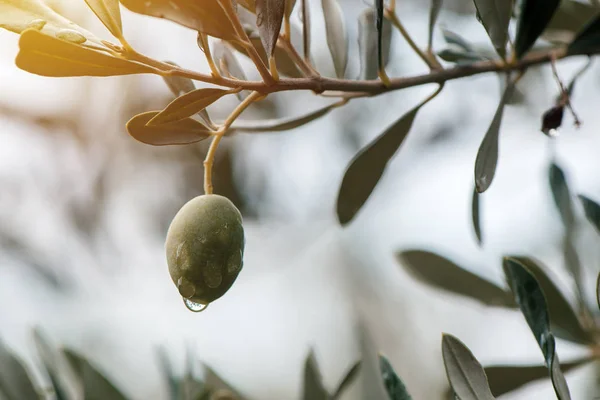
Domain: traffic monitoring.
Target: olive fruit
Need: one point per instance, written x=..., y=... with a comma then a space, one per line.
x=205, y=248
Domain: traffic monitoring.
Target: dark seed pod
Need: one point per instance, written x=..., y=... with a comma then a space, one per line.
x=205, y=248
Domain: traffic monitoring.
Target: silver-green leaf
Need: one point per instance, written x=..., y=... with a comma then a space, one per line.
x=465, y=374
x=269, y=16
x=487, y=155
x=495, y=17
x=367, y=43
x=337, y=38
x=441, y=273
x=532, y=302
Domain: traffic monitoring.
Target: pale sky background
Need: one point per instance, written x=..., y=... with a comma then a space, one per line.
x=306, y=281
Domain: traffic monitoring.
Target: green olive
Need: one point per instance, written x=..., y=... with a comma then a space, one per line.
x=205, y=248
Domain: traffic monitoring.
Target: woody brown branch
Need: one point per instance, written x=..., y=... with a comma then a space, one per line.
x=374, y=87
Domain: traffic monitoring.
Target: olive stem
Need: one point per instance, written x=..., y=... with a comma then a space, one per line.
x=217, y=136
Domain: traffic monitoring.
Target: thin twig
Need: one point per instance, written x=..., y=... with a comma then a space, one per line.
x=565, y=97
x=217, y=136
x=432, y=63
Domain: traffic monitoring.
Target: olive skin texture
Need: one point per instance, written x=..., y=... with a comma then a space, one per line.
x=205, y=248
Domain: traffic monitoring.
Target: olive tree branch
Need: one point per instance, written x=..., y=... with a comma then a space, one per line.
x=361, y=88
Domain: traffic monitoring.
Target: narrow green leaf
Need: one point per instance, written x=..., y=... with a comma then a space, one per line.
x=15, y=381
x=368, y=165
x=95, y=385
x=184, y=131
x=454, y=38
x=313, y=383
x=475, y=217
x=569, y=19
x=207, y=17
x=269, y=16
x=368, y=43
x=588, y=40
x=214, y=382
x=379, y=8
x=532, y=302
x=441, y=273
x=495, y=16
x=561, y=195
x=179, y=85
x=465, y=374
x=109, y=13
x=434, y=12
x=346, y=381
x=337, y=39
x=187, y=105
x=306, y=27
x=598, y=290
x=506, y=378
x=282, y=124
x=63, y=378
x=49, y=56
x=229, y=66
x=564, y=321
x=533, y=19
x=487, y=155
x=394, y=386
x=167, y=371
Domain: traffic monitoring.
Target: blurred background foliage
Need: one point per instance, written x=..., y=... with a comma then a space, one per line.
x=84, y=211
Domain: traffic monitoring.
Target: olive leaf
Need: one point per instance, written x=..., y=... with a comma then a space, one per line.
x=367, y=44
x=475, y=216
x=441, y=273
x=487, y=155
x=394, y=386
x=561, y=195
x=282, y=124
x=564, y=203
x=568, y=20
x=184, y=131
x=434, y=12
x=179, y=85
x=465, y=374
x=187, y=105
x=337, y=39
x=534, y=16
x=564, y=321
x=95, y=385
x=305, y=18
x=228, y=65
x=20, y=15
x=588, y=40
x=506, y=378
x=269, y=16
x=592, y=211
x=495, y=17
x=368, y=165
x=207, y=16
x=598, y=290
x=313, y=384
x=109, y=13
x=15, y=380
x=167, y=370
x=48, y=56
x=214, y=382
x=454, y=38
x=456, y=55
x=346, y=381
x=62, y=376
x=532, y=302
